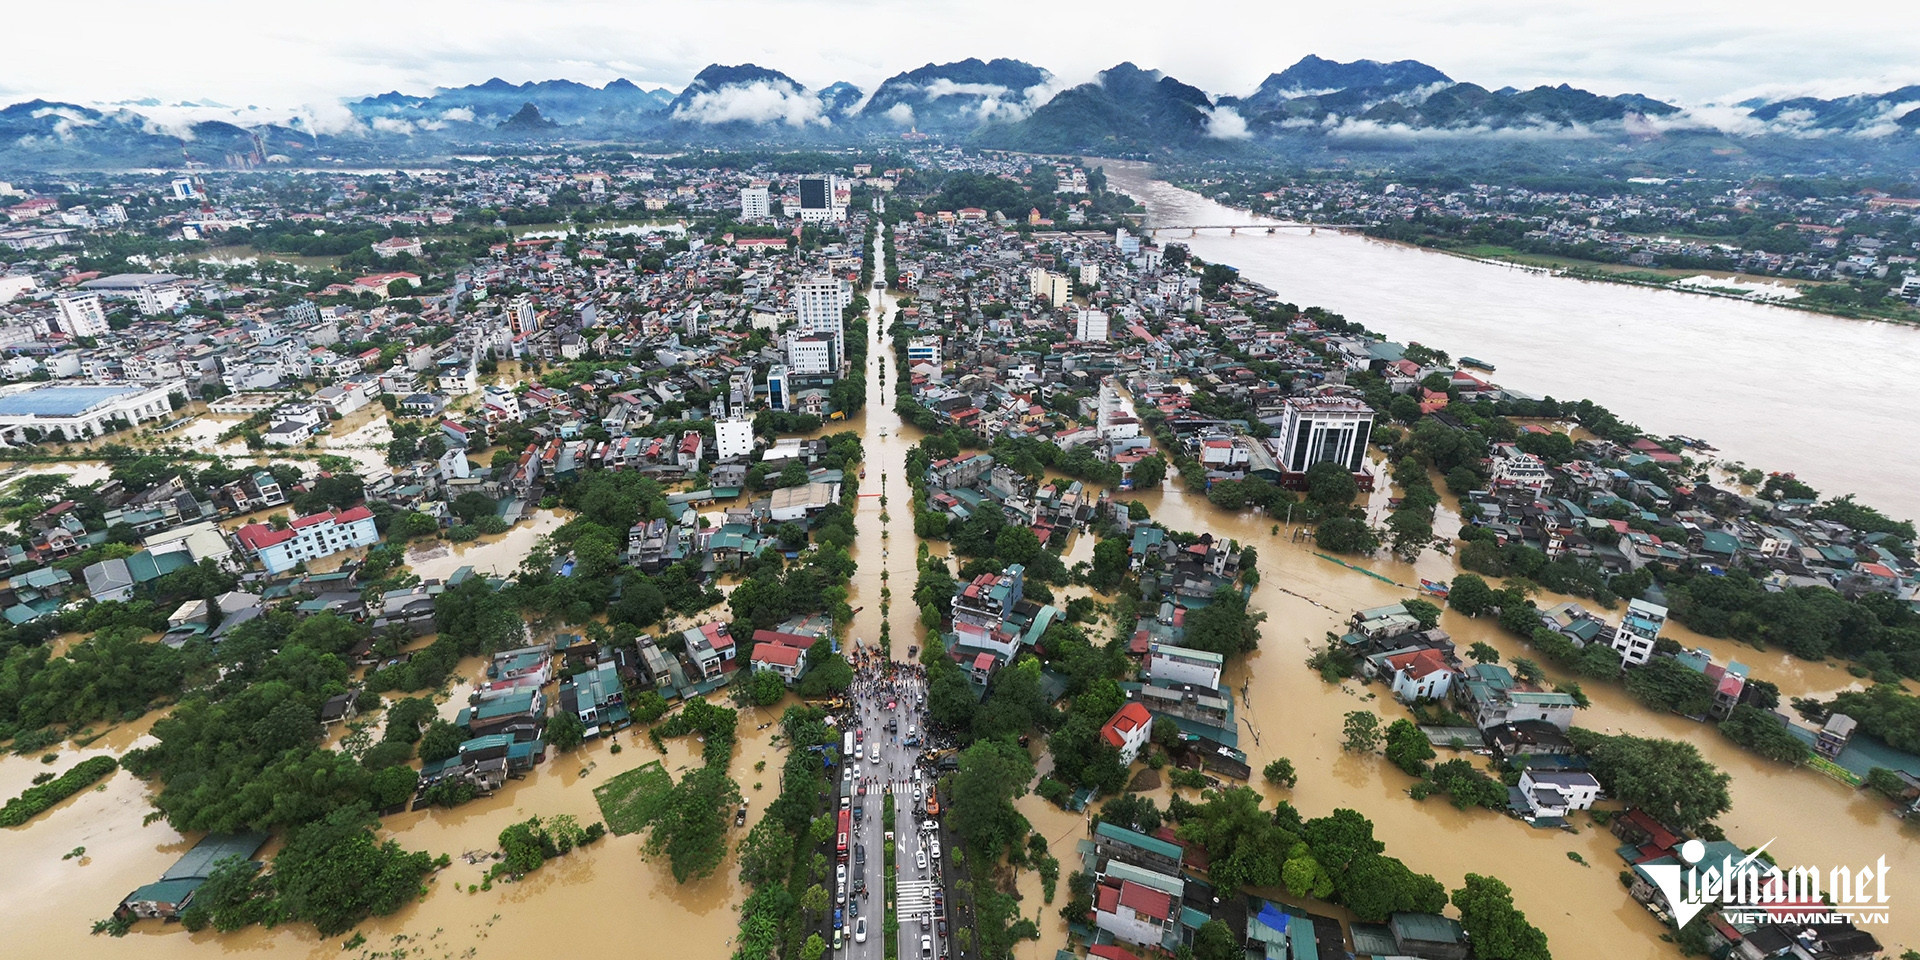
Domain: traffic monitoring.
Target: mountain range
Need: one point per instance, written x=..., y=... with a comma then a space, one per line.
x=1315, y=106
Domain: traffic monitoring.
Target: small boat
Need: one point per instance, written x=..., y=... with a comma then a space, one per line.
x=1435, y=587
x=1481, y=364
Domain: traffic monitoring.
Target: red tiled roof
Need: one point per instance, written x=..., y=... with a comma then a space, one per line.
x=795, y=640
x=1125, y=720
x=778, y=654
x=1146, y=901
x=1420, y=663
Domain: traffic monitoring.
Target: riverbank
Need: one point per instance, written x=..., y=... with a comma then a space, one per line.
x=1709, y=367
x=1891, y=310
x=1659, y=279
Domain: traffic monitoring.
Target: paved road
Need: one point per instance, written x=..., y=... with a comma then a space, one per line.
x=893, y=771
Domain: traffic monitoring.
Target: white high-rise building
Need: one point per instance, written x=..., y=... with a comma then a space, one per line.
x=755, y=204
x=1634, y=639
x=821, y=304
x=809, y=356
x=81, y=315
x=1317, y=429
x=1049, y=286
x=1092, y=327
x=732, y=438
x=522, y=315
x=820, y=199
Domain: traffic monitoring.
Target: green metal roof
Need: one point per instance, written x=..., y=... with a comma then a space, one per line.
x=1430, y=927
x=1135, y=838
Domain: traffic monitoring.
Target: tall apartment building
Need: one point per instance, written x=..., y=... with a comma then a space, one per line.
x=820, y=199
x=820, y=304
x=1052, y=287
x=522, y=315
x=1317, y=429
x=1092, y=327
x=755, y=204
x=81, y=315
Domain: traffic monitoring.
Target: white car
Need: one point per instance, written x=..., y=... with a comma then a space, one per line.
x=874, y=754
x=926, y=945
x=860, y=930
x=920, y=858
x=936, y=848
x=916, y=793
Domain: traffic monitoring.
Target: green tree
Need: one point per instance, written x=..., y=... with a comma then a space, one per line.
x=1407, y=747
x=1362, y=731
x=566, y=731
x=1498, y=931
x=1150, y=472
x=1280, y=773
x=765, y=688
x=1344, y=534
x=1668, y=779
x=440, y=741
x=335, y=873
x=1470, y=595
x=1214, y=941
x=1759, y=731
x=991, y=776
x=1482, y=652
x=1427, y=613
x=814, y=948
x=1330, y=485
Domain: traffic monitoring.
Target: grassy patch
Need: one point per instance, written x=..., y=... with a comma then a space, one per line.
x=631, y=800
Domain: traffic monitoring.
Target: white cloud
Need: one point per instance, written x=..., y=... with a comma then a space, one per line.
x=1226, y=123
x=943, y=87
x=761, y=101
x=391, y=125
x=459, y=114
x=901, y=114
x=68, y=120
x=1356, y=128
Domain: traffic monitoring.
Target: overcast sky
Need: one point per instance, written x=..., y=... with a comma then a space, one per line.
x=287, y=53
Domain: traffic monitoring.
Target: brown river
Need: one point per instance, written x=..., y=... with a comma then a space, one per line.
x=609, y=898
x=1781, y=389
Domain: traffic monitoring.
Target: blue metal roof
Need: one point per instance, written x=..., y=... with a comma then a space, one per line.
x=60, y=401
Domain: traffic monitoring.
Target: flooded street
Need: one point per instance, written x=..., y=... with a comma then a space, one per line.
x=604, y=894
x=608, y=895
x=1781, y=389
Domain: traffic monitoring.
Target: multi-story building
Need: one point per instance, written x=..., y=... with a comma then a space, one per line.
x=989, y=598
x=1052, y=287
x=309, y=538
x=522, y=315
x=732, y=438
x=1634, y=640
x=1168, y=664
x=923, y=350
x=1092, y=327
x=820, y=199
x=1324, y=428
x=820, y=305
x=779, y=390
x=81, y=315
x=810, y=355
x=754, y=203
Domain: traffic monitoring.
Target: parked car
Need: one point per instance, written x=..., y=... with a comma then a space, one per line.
x=936, y=848
x=920, y=858
x=860, y=854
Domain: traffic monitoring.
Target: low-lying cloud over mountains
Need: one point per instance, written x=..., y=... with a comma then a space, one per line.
x=1313, y=104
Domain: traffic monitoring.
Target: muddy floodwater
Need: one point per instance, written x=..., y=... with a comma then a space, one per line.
x=1782, y=389
x=609, y=899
